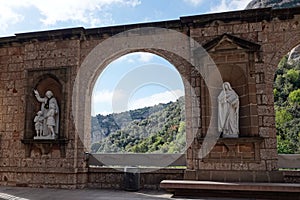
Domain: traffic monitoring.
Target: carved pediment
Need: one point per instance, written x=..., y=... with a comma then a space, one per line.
x=230, y=42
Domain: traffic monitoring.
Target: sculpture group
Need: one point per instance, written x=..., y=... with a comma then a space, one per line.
x=47, y=118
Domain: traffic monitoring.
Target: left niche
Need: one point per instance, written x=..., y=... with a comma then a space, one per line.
x=52, y=109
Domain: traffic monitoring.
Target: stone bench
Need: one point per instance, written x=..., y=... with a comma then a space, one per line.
x=232, y=189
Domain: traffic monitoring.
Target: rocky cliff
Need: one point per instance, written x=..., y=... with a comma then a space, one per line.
x=273, y=3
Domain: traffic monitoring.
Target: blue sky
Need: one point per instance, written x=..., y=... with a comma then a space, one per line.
x=133, y=80
x=19, y=16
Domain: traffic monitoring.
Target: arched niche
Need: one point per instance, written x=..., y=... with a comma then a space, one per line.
x=235, y=59
x=43, y=80
x=49, y=82
x=236, y=76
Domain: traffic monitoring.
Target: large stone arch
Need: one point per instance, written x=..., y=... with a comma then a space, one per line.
x=171, y=45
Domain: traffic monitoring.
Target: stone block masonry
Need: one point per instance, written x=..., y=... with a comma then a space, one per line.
x=246, y=47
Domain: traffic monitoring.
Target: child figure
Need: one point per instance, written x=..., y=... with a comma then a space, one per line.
x=38, y=120
x=50, y=119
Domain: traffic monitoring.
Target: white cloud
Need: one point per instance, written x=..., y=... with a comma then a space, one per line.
x=8, y=14
x=141, y=57
x=76, y=10
x=106, y=98
x=230, y=5
x=102, y=101
x=90, y=12
x=194, y=2
x=126, y=58
x=145, y=57
x=155, y=99
x=133, y=3
x=102, y=96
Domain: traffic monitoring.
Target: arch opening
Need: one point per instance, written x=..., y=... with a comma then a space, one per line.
x=286, y=90
x=151, y=118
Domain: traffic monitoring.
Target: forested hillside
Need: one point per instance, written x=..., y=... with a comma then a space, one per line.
x=161, y=128
x=157, y=129
x=287, y=106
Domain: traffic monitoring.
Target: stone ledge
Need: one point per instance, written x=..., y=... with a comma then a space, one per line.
x=210, y=185
x=44, y=141
x=150, y=170
x=45, y=146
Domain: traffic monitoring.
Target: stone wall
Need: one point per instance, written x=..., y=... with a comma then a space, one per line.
x=107, y=178
x=247, y=43
x=24, y=64
x=233, y=46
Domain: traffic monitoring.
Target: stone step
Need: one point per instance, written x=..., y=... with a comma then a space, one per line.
x=211, y=188
x=211, y=185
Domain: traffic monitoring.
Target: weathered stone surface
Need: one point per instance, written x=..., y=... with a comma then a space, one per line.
x=246, y=47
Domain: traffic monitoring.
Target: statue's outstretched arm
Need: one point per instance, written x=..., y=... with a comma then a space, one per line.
x=37, y=96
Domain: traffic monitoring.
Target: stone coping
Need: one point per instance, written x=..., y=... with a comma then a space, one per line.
x=137, y=159
x=95, y=169
x=173, y=185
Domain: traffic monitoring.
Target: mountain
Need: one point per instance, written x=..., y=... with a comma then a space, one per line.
x=294, y=55
x=156, y=129
x=273, y=3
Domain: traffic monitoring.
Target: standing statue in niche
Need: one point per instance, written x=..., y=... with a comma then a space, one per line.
x=50, y=115
x=228, y=113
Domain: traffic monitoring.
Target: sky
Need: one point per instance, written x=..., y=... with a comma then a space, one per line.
x=20, y=16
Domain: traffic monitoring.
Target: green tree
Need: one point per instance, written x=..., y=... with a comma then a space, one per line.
x=156, y=129
x=294, y=97
x=287, y=106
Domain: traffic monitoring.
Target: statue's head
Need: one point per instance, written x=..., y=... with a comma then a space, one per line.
x=226, y=86
x=49, y=94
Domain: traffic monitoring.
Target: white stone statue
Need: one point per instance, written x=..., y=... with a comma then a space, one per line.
x=228, y=112
x=50, y=114
x=39, y=120
x=51, y=119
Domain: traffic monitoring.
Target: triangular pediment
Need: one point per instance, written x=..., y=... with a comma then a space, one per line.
x=230, y=42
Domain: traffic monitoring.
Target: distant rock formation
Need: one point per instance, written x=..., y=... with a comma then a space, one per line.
x=273, y=3
x=294, y=54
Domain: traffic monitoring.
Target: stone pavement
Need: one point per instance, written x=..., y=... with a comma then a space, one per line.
x=21, y=193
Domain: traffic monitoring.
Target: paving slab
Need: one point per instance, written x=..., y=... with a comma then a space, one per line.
x=25, y=193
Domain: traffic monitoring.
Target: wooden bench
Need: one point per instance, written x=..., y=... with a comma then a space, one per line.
x=232, y=189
